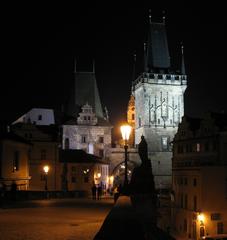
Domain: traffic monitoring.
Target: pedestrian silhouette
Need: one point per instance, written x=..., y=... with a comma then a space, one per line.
x=93, y=191
x=99, y=191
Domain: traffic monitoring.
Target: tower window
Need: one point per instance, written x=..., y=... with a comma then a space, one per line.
x=139, y=121
x=164, y=143
x=40, y=117
x=83, y=139
x=101, y=139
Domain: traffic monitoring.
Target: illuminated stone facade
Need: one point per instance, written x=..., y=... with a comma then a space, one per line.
x=87, y=132
x=159, y=106
x=200, y=177
x=159, y=103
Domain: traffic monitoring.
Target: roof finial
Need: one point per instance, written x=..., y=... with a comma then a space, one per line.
x=163, y=17
x=182, y=48
x=182, y=60
x=149, y=15
x=93, y=66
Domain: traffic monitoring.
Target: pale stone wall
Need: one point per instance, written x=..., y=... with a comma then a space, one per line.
x=92, y=133
x=159, y=107
x=39, y=116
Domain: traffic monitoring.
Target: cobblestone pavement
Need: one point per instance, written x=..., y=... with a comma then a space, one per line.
x=68, y=219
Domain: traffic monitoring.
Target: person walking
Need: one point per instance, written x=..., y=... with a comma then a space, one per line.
x=99, y=191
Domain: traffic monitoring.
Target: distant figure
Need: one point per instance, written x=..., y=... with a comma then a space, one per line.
x=93, y=191
x=99, y=191
x=13, y=190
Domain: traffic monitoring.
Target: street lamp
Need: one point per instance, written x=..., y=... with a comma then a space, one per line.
x=46, y=170
x=125, y=132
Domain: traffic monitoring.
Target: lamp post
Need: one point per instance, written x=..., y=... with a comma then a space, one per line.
x=125, y=131
x=46, y=170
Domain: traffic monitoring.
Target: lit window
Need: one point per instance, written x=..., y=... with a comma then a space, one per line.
x=164, y=143
x=197, y=147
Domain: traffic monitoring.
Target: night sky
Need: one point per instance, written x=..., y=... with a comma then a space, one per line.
x=40, y=45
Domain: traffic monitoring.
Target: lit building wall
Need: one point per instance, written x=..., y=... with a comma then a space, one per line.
x=39, y=116
x=14, y=163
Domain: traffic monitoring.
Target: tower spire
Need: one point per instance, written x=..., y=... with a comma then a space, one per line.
x=182, y=60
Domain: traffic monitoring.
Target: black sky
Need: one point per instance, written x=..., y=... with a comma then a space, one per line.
x=40, y=45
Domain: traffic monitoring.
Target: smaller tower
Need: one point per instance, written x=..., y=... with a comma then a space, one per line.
x=131, y=118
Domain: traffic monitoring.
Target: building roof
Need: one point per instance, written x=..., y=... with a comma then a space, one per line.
x=84, y=91
x=13, y=137
x=194, y=123
x=157, y=47
x=101, y=122
x=78, y=156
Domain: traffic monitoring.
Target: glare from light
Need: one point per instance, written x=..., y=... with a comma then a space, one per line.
x=46, y=169
x=201, y=217
x=125, y=132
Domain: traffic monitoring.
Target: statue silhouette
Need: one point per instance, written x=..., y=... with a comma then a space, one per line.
x=142, y=188
x=143, y=152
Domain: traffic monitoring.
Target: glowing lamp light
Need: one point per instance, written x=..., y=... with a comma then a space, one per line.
x=46, y=169
x=125, y=132
x=98, y=175
x=201, y=217
x=111, y=179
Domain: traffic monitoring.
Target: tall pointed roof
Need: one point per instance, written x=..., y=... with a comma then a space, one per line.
x=86, y=91
x=157, y=47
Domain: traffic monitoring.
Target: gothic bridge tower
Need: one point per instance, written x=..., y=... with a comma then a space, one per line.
x=159, y=102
